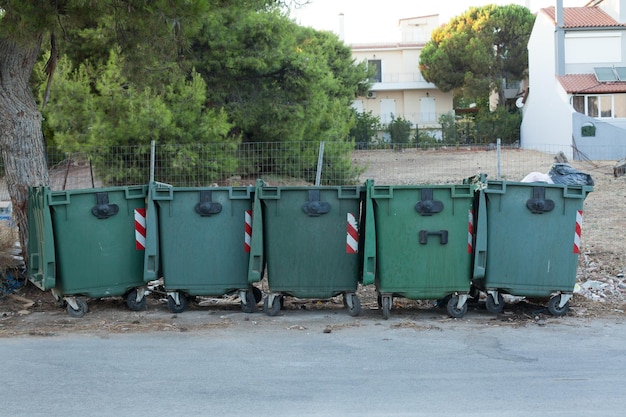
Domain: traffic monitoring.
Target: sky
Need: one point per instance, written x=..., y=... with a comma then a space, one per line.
x=360, y=15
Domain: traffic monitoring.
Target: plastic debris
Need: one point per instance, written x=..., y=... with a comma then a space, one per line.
x=566, y=174
x=538, y=177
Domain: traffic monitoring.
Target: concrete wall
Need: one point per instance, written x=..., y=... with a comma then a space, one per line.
x=609, y=142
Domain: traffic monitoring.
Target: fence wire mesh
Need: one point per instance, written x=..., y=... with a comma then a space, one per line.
x=287, y=163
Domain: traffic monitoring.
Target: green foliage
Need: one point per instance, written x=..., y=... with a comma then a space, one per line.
x=466, y=129
x=99, y=114
x=260, y=78
x=476, y=50
x=365, y=129
x=399, y=130
x=500, y=124
x=425, y=139
x=337, y=163
x=277, y=81
x=449, y=128
x=298, y=160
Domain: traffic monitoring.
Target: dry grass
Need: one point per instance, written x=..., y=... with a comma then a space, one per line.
x=8, y=237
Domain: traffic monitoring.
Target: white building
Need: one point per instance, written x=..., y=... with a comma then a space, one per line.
x=398, y=88
x=576, y=101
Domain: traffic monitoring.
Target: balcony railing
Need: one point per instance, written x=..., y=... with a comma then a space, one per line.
x=419, y=118
x=402, y=77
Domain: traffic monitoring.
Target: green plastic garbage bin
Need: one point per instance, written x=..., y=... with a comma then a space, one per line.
x=203, y=243
x=422, y=246
x=98, y=250
x=308, y=239
x=528, y=241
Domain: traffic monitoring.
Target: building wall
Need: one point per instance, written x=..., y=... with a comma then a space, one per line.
x=546, y=116
x=607, y=143
x=418, y=29
x=413, y=105
x=413, y=98
x=586, y=50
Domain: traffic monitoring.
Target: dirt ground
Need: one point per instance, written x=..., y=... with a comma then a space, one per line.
x=30, y=311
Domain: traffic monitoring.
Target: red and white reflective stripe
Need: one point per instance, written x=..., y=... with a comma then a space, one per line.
x=248, y=236
x=579, y=227
x=140, y=229
x=470, y=231
x=352, y=236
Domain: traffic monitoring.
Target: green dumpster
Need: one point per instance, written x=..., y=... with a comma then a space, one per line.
x=422, y=244
x=528, y=241
x=308, y=239
x=98, y=249
x=203, y=243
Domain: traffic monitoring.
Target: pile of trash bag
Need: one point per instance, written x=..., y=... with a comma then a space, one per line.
x=566, y=174
x=560, y=173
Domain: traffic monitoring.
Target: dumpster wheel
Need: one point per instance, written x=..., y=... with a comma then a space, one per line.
x=272, y=304
x=491, y=305
x=252, y=297
x=80, y=311
x=177, y=307
x=556, y=307
x=385, y=305
x=136, y=299
x=453, y=308
x=352, y=303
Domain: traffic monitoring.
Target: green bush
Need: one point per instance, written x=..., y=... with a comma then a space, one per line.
x=365, y=129
x=399, y=130
x=426, y=139
x=499, y=124
x=449, y=128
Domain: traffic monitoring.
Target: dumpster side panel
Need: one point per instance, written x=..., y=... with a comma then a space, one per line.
x=531, y=253
x=97, y=256
x=204, y=254
x=41, y=253
x=422, y=256
x=307, y=255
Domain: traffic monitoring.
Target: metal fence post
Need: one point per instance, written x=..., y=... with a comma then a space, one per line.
x=152, y=159
x=320, y=158
x=498, y=152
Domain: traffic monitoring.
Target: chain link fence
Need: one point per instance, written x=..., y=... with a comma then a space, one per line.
x=289, y=163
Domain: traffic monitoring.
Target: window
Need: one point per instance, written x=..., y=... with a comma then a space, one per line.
x=592, y=106
x=387, y=110
x=606, y=106
x=619, y=106
x=579, y=104
x=376, y=67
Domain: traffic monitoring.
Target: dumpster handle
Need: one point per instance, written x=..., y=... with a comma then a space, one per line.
x=314, y=207
x=102, y=209
x=443, y=236
x=427, y=206
x=207, y=207
x=539, y=204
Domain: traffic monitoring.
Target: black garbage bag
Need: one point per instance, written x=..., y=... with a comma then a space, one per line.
x=566, y=174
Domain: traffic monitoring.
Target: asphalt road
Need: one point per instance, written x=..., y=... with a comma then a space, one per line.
x=289, y=366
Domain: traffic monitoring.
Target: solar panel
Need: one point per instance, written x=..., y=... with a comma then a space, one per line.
x=604, y=74
x=621, y=73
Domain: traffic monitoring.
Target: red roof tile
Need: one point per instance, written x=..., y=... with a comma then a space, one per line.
x=588, y=84
x=583, y=17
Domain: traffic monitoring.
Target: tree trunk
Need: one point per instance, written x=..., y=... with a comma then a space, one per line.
x=21, y=137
